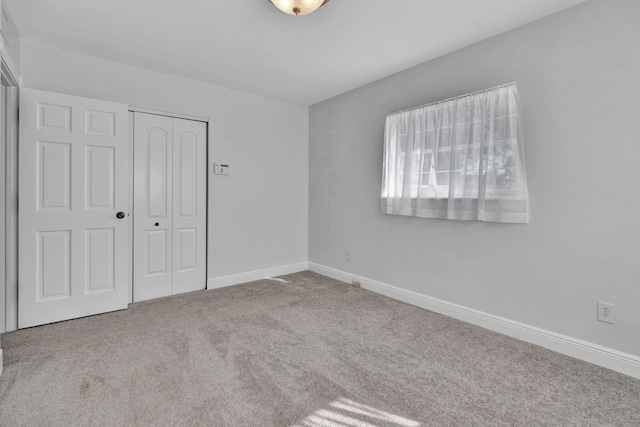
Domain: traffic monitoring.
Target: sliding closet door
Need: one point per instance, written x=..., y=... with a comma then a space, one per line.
x=169, y=206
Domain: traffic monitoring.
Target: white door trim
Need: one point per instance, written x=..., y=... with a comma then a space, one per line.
x=9, y=72
x=9, y=284
x=4, y=203
x=167, y=114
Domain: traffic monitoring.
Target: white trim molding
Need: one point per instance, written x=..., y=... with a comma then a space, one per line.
x=9, y=71
x=235, y=279
x=168, y=114
x=625, y=363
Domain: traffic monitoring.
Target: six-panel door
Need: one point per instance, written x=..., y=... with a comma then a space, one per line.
x=73, y=179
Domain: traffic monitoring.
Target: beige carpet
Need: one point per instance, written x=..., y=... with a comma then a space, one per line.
x=305, y=351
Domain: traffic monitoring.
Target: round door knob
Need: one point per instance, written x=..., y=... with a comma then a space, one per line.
x=157, y=224
x=120, y=215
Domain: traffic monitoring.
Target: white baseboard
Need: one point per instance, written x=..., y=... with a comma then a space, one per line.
x=625, y=363
x=235, y=279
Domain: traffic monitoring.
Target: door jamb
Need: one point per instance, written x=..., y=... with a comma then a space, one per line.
x=8, y=286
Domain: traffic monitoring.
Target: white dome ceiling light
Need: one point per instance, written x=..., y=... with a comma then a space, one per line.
x=298, y=7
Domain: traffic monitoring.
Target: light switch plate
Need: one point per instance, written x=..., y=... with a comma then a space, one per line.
x=221, y=168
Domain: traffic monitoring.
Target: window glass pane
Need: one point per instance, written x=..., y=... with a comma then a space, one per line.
x=443, y=162
x=402, y=142
x=470, y=184
x=426, y=166
x=425, y=179
x=460, y=158
x=472, y=161
x=458, y=179
x=500, y=156
x=442, y=178
x=445, y=135
x=506, y=180
x=463, y=130
x=499, y=127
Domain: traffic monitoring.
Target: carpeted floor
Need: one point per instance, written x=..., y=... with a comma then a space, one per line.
x=304, y=350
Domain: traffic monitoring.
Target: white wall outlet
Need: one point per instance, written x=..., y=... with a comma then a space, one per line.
x=606, y=312
x=347, y=255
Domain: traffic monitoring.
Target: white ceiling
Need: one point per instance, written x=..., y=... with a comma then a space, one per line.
x=251, y=46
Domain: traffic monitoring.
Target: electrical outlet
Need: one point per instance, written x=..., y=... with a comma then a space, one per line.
x=606, y=312
x=347, y=255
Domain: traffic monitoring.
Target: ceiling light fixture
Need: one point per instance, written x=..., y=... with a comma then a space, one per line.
x=298, y=7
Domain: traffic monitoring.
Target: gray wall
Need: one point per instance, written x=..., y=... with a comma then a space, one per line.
x=579, y=78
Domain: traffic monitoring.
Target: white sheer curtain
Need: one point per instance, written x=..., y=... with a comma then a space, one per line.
x=457, y=159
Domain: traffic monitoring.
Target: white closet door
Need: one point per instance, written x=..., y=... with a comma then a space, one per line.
x=152, y=210
x=169, y=206
x=189, y=205
x=72, y=183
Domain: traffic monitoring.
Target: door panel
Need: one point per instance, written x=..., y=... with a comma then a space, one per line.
x=53, y=265
x=152, y=192
x=73, y=178
x=157, y=171
x=188, y=249
x=158, y=252
x=54, y=117
x=187, y=165
x=100, y=259
x=189, y=208
x=54, y=170
x=100, y=123
x=100, y=174
x=169, y=206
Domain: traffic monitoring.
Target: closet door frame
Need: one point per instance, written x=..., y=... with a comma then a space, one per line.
x=204, y=120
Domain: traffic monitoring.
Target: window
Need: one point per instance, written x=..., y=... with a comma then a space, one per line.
x=457, y=159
